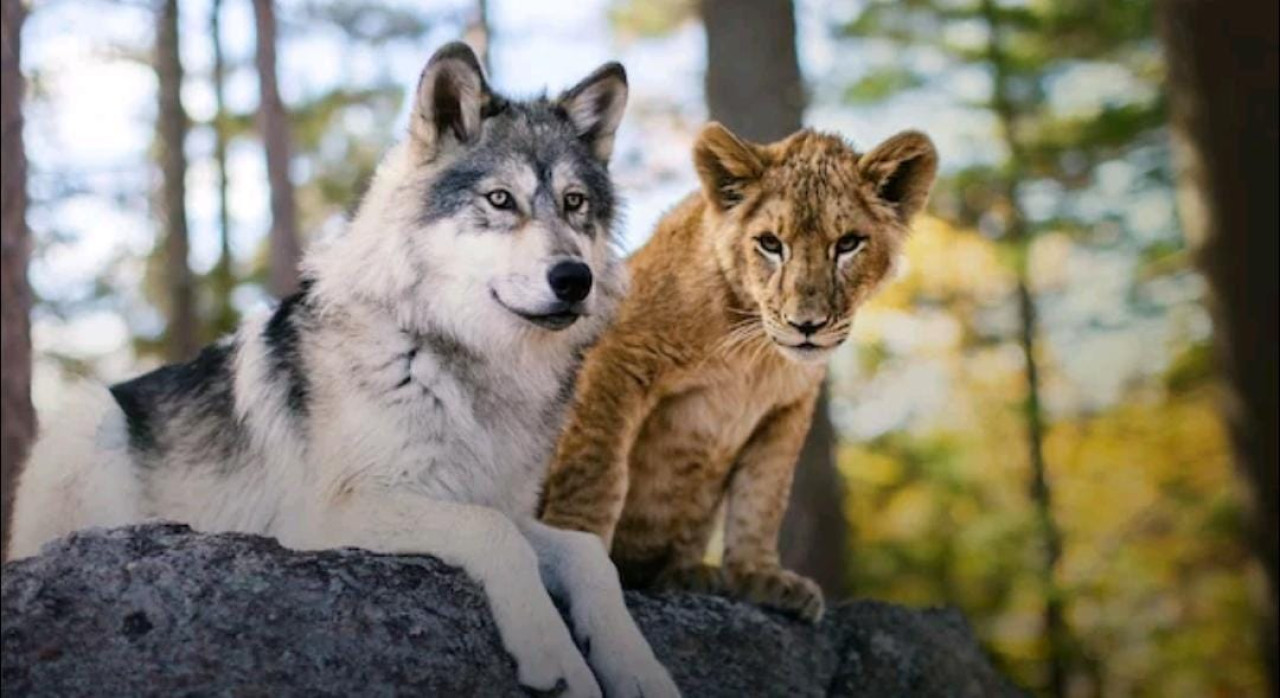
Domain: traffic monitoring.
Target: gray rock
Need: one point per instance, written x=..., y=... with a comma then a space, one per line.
x=161, y=610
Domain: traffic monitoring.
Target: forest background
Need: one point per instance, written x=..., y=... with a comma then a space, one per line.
x=1060, y=419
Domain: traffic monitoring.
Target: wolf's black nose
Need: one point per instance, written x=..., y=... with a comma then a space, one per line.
x=570, y=281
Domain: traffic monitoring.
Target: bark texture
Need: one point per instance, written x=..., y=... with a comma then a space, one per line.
x=224, y=317
x=273, y=123
x=1223, y=97
x=183, y=337
x=17, y=417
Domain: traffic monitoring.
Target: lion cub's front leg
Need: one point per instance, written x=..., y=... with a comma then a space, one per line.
x=758, y=494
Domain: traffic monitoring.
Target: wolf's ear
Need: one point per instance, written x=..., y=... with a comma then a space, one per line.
x=726, y=165
x=451, y=94
x=901, y=172
x=595, y=107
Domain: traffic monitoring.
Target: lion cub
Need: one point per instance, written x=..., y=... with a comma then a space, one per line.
x=702, y=391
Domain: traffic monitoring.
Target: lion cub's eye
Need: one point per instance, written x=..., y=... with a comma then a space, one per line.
x=574, y=201
x=501, y=199
x=848, y=244
x=769, y=244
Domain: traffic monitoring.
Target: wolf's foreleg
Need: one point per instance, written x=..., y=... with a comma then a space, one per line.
x=576, y=569
x=488, y=547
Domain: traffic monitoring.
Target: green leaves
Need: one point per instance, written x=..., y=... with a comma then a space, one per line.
x=880, y=85
x=650, y=18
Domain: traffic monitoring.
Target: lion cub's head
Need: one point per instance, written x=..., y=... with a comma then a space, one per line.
x=806, y=229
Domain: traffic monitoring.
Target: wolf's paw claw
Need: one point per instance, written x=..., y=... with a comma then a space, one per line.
x=546, y=672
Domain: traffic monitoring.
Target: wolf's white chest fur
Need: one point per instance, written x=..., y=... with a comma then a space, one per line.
x=465, y=425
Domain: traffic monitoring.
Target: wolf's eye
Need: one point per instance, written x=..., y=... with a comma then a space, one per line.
x=574, y=201
x=769, y=244
x=850, y=243
x=501, y=199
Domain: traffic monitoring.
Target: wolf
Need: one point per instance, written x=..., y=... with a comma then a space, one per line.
x=408, y=398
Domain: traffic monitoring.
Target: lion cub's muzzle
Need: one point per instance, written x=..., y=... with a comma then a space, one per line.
x=807, y=338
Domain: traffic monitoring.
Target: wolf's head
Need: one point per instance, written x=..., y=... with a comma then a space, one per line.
x=495, y=213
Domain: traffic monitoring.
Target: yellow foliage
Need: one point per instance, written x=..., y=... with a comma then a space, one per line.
x=942, y=261
x=1153, y=573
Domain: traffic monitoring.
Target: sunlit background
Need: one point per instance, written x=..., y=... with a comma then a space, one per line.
x=929, y=399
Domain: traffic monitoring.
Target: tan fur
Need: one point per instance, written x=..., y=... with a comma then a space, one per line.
x=690, y=401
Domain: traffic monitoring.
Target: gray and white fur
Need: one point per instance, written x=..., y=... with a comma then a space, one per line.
x=407, y=400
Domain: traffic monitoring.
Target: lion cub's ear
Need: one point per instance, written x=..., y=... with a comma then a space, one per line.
x=726, y=165
x=901, y=172
x=451, y=94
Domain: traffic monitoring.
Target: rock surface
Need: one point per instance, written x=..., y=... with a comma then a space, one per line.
x=161, y=610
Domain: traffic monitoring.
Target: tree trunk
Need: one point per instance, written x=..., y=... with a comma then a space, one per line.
x=754, y=87
x=224, y=278
x=183, y=336
x=815, y=536
x=753, y=83
x=274, y=124
x=479, y=35
x=1018, y=235
x=18, y=424
x=1223, y=97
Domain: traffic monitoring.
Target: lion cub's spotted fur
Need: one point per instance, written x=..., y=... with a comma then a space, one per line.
x=701, y=394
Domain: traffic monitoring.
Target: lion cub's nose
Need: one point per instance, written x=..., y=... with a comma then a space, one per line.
x=570, y=281
x=808, y=327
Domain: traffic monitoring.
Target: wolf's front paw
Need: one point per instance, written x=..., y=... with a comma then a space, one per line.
x=545, y=668
x=621, y=657
x=701, y=579
x=547, y=660
x=776, y=588
x=633, y=675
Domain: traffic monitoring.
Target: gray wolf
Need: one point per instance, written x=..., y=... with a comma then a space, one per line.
x=407, y=400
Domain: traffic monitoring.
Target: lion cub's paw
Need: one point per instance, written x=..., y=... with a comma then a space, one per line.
x=701, y=579
x=777, y=588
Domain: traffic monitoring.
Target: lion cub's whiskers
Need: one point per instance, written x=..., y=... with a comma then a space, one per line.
x=740, y=335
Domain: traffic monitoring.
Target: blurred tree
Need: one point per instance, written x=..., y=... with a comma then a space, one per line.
x=754, y=87
x=1018, y=235
x=18, y=426
x=333, y=138
x=479, y=34
x=339, y=134
x=1223, y=78
x=224, y=317
x=1023, y=52
x=182, y=336
x=273, y=121
x=1153, y=560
